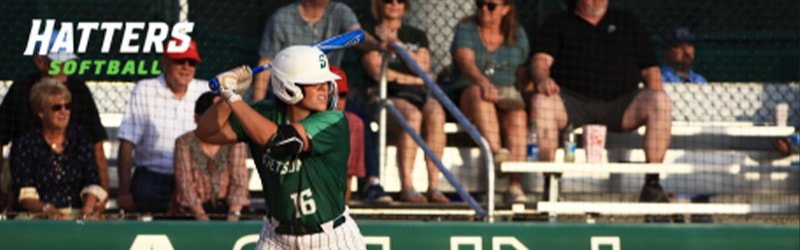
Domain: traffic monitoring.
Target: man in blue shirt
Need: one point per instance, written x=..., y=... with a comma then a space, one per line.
x=678, y=53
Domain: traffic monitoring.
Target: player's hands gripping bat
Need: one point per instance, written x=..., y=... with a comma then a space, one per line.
x=234, y=81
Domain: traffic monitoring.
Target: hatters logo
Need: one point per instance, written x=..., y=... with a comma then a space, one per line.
x=136, y=37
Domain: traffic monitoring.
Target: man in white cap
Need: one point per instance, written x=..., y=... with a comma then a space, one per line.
x=159, y=110
x=18, y=117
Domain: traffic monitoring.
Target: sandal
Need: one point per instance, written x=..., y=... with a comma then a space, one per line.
x=437, y=196
x=412, y=196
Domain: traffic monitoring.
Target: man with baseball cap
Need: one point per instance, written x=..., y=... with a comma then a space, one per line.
x=18, y=117
x=678, y=50
x=159, y=110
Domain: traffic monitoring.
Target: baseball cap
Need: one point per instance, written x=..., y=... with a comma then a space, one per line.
x=302, y=64
x=190, y=53
x=61, y=54
x=677, y=36
x=341, y=84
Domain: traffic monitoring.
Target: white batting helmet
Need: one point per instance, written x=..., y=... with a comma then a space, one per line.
x=301, y=65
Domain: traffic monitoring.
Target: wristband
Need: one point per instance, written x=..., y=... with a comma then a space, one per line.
x=235, y=213
x=234, y=98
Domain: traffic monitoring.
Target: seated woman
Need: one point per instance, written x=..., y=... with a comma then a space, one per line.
x=408, y=93
x=210, y=179
x=53, y=167
x=488, y=50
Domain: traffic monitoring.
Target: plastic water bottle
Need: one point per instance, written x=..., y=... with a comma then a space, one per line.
x=569, y=145
x=532, y=152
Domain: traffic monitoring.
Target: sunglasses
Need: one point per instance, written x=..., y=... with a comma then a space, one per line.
x=390, y=1
x=191, y=62
x=57, y=107
x=490, y=5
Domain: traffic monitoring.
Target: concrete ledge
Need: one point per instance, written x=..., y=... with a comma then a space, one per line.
x=635, y=208
x=591, y=168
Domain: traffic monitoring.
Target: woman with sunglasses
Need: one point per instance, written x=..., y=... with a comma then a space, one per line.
x=488, y=49
x=53, y=166
x=409, y=95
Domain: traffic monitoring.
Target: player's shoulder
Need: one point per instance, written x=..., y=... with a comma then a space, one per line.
x=330, y=114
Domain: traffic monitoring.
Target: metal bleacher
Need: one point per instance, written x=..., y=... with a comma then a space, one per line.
x=723, y=130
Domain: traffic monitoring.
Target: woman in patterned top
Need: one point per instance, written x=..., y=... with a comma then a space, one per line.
x=210, y=178
x=53, y=167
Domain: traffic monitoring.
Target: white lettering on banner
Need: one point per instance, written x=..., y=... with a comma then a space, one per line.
x=151, y=241
x=598, y=241
x=155, y=34
x=245, y=240
x=384, y=241
x=499, y=241
x=475, y=241
x=162, y=242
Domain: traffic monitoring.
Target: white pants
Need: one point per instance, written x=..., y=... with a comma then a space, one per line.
x=346, y=236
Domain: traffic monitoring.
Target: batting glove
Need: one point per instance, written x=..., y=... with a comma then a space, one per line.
x=234, y=82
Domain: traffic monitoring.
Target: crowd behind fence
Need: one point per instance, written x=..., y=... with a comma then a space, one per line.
x=750, y=50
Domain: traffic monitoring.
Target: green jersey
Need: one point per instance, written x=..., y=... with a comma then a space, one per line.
x=307, y=188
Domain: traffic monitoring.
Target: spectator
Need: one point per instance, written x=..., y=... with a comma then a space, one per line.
x=587, y=65
x=53, y=165
x=18, y=116
x=210, y=179
x=159, y=110
x=488, y=48
x=678, y=50
x=302, y=23
x=305, y=22
x=300, y=146
x=355, y=163
x=409, y=95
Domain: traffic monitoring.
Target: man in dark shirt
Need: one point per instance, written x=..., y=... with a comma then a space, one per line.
x=17, y=116
x=587, y=64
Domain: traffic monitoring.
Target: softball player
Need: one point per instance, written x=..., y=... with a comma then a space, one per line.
x=300, y=146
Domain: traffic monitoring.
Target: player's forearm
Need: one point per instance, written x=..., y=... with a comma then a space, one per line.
x=212, y=121
x=257, y=127
x=652, y=78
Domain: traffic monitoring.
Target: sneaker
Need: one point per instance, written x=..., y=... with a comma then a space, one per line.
x=653, y=193
x=374, y=195
x=515, y=195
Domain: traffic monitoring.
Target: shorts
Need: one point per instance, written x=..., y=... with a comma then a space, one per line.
x=413, y=93
x=583, y=110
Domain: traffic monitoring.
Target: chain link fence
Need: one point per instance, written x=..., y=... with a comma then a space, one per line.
x=736, y=41
x=749, y=41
